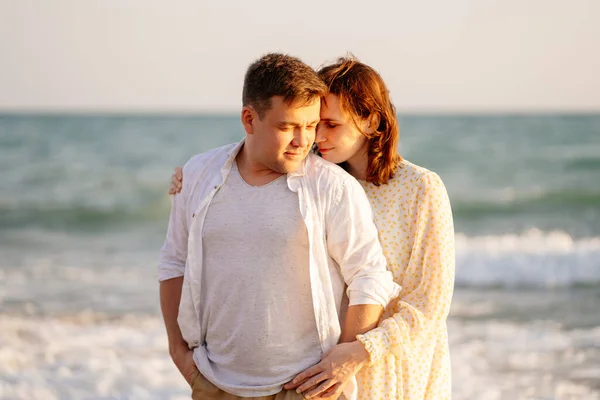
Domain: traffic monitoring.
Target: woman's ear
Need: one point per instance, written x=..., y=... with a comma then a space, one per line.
x=247, y=117
x=372, y=123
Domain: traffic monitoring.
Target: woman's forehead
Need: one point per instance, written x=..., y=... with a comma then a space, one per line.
x=331, y=108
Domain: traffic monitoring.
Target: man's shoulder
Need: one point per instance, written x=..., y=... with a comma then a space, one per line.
x=323, y=170
x=332, y=184
x=213, y=158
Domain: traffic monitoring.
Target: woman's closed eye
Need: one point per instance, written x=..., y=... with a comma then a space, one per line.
x=328, y=124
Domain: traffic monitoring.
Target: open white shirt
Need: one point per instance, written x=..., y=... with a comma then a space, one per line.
x=343, y=244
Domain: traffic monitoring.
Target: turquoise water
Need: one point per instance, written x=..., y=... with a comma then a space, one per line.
x=83, y=212
x=524, y=189
x=505, y=174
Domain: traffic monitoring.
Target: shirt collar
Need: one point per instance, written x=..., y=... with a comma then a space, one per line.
x=233, y=152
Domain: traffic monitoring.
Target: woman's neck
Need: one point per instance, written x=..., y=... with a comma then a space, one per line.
x=357, y=165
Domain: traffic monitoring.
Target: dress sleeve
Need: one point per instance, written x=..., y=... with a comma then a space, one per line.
x=432, y=258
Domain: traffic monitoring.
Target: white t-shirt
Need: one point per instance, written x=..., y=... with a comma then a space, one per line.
x=257, y=302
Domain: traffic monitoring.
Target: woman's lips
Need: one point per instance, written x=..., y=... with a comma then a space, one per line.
x=323, y=151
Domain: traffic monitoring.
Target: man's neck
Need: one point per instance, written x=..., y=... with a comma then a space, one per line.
x=254, y=174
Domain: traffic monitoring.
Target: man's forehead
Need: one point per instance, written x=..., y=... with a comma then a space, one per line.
x=296, y=109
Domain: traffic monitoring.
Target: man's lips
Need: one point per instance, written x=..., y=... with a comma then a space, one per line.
x=323, y=151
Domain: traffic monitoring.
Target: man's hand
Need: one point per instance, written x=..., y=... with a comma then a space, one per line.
x=182, y=356
x=333, y=373
x=184, y=360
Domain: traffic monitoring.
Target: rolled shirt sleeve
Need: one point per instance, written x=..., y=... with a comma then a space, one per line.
x=173, y=253
x=352, y=241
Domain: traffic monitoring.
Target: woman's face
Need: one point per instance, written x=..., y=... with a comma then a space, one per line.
x=338, y=137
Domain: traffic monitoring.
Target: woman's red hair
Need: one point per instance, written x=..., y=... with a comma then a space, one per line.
x=364, y=95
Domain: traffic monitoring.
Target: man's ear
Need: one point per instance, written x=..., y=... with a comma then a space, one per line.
x=248, y=116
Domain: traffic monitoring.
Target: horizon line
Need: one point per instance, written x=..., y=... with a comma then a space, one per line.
x=231, y=113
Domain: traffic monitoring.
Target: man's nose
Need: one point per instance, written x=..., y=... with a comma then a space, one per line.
x=302, y=137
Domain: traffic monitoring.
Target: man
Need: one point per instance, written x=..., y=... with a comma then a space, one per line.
x=261, y=240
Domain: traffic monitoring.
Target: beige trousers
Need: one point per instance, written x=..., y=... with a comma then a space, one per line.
x=203, y=389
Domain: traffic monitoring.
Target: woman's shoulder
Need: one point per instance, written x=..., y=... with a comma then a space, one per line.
x=406, y=170
x=409, y=174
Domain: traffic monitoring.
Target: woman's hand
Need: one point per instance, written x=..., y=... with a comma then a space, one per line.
x=328, y=378
x=176, y=181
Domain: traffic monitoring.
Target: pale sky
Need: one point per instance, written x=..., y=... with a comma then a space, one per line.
x=190, y=56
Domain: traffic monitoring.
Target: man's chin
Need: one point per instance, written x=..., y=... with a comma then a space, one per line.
x=287, y=167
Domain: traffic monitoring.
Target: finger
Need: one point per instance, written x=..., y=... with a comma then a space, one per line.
x=303, y=376
x=311, y=388
x=179, y=173
x=175, y=182
x=331, y=389
x=320, y=389
x=315, y=380
x=290, y=385
x=333, y=392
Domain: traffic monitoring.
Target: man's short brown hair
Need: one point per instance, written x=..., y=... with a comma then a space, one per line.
x=278, y=74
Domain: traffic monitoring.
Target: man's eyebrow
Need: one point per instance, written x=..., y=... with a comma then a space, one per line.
x=290, y=123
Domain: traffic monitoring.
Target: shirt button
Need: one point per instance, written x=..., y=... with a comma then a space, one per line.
x=216, y=187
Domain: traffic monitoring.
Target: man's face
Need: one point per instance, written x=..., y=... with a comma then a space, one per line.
x=285, y=134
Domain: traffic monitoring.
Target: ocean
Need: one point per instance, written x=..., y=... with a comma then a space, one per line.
x=84, y=210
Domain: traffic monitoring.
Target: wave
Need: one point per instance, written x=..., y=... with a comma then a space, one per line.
x=548, y=201
x=534, y=259
x=83, y=217
x=155, y=208
x=583, y=164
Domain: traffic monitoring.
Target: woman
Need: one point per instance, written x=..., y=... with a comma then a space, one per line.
x=408, y=352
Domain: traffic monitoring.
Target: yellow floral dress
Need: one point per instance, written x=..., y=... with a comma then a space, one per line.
x=409, y=356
